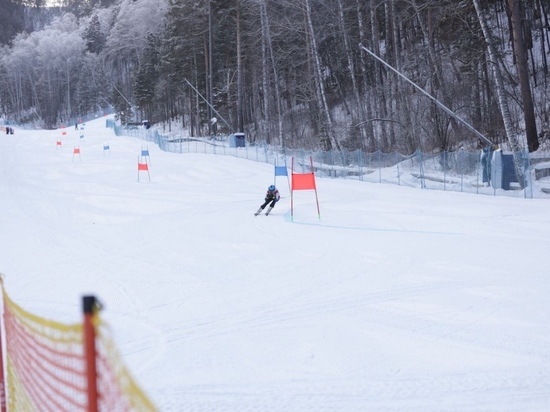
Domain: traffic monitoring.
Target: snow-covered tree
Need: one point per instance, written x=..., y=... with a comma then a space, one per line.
x=95, y=39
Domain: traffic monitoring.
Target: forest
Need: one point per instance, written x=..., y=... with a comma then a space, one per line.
x=389, y=75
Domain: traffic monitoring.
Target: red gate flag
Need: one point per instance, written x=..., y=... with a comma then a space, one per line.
x=76, y=152
x=143, y=167
x=303, y=181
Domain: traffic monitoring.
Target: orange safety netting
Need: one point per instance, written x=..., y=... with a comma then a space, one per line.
x=117, y=389
x=46, y=366
x=45, y=362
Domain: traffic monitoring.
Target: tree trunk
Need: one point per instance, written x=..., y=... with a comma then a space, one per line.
x=322, y=100
x=369, y=130
x=523, y=74
x=358, y=107
x=265, y=124
x=501, y=93
x=379, y=100
x=266, y=32
x=240, y=126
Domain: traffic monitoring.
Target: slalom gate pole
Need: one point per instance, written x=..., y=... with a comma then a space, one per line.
x=315, y=187
x=89, y=306
x=292, y=193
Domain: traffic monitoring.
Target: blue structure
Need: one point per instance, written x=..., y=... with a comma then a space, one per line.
x=508, y=171
x=503, y=170
x=281, y=171
x=237, y=140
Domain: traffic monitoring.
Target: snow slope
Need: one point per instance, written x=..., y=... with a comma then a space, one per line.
x=397, y=299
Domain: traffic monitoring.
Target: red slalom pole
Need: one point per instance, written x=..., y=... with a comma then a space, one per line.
x=90, y=305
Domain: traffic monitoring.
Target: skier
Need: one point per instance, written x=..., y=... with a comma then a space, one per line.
x=272, y=196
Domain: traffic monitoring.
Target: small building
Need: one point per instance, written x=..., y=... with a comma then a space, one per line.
x=237, y=140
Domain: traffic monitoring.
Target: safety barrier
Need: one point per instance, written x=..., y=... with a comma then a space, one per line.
x=58, y=367
x=460, y=171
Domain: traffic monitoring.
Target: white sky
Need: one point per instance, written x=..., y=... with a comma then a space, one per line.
x=398, y=299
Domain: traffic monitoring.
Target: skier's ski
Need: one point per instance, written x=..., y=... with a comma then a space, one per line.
x=261, y=210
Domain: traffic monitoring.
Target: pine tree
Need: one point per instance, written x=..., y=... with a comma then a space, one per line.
x=86, y=94
x=147, y=76
x=95, y=39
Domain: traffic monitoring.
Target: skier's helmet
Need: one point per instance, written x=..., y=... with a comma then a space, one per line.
x=271, y=188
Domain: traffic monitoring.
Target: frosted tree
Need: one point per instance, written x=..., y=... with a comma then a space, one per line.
x=95, y=39
x=127, y=39
x=501, y=94
x=134, y=21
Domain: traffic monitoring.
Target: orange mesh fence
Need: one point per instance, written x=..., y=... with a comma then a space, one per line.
x=44, y=362
x=46, y=366
x=118, y=390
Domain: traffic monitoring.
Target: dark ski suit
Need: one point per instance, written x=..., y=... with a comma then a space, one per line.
x=271, y=197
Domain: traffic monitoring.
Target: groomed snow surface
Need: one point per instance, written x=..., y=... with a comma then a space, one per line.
x=396, y=299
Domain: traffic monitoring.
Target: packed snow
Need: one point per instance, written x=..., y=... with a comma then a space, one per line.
x=393, y=299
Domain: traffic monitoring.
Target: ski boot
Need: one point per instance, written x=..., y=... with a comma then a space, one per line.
x=258, y=212
x=268, y=210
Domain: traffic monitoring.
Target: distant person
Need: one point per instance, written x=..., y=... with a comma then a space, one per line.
x=76, y=126
x=271, y=197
